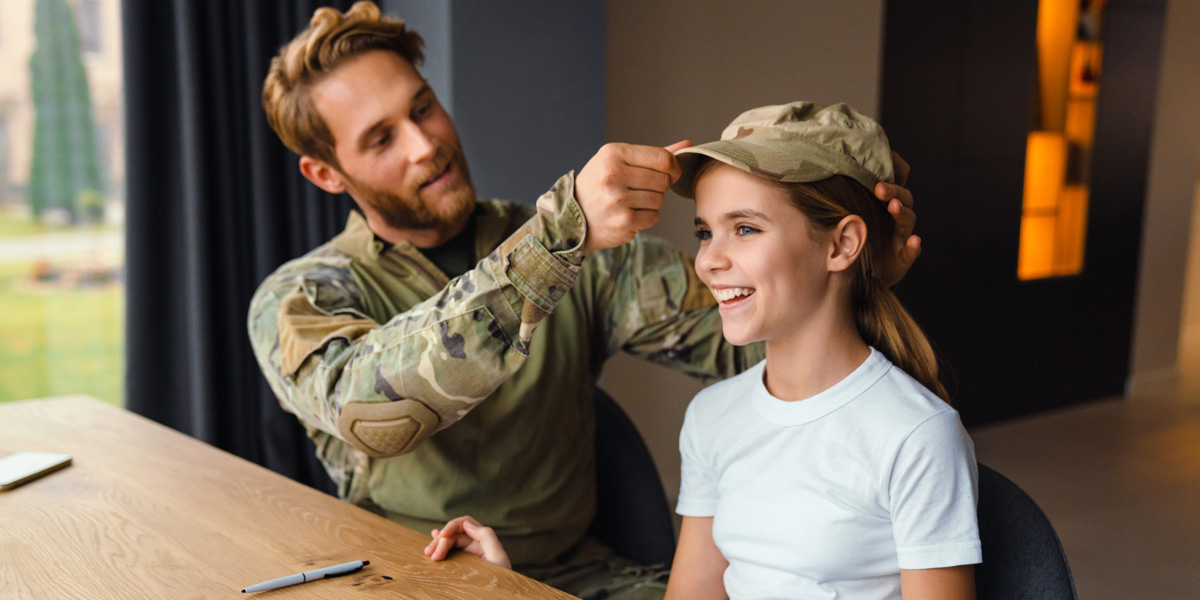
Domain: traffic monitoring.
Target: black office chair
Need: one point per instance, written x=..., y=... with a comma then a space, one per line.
x=1022, y=556
x=632, y=515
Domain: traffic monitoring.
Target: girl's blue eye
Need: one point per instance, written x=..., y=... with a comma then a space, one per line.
x=703, y=235
x=746, y=230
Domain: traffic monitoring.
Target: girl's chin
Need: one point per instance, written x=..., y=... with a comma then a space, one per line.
x=738, y=338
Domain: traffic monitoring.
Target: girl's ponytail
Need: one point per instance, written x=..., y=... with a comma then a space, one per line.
x=885, y=324
x=881, y=319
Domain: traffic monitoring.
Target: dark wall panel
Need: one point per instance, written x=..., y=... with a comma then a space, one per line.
x=957, y=97
x=528, y=81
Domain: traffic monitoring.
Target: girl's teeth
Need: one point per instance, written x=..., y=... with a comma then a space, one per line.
x=724, y=295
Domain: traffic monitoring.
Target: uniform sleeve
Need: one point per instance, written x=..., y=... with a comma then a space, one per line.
x=384, y=388
x=655, y=307
x=933, y=493
x=698, y=482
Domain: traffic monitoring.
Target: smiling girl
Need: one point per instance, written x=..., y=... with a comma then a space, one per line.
x=835, y=468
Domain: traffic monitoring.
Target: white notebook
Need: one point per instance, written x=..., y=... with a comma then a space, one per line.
x=21, y=467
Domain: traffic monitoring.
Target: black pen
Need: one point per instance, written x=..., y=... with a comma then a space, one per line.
x=334, y=571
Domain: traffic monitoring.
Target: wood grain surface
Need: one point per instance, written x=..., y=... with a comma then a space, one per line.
x=146, y=512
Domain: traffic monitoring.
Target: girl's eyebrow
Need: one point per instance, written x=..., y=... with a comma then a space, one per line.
x=745, y=214
x=737, y=214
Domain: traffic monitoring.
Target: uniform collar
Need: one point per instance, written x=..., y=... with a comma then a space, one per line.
x=357, y=240
x=493, y=222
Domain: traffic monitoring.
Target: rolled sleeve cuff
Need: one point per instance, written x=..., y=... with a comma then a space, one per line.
x=696, y=508
x=940, y=555
x=562, y=220
x=540, y=276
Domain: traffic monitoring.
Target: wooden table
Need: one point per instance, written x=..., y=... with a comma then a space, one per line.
x=147, y=512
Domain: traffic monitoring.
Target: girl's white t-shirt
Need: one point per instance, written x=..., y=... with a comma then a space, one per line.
x=830, y=496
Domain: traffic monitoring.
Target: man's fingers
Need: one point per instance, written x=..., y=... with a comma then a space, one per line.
x=905, y=218
x=677, y=146
x=644, y=219
x=640, y=178
x=911, y=250
x=900, y=168
x=651, y=157
x=887, y=191
x=643, y=200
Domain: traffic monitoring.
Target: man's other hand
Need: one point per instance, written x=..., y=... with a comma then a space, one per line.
x=905, y=247
x=621, y=190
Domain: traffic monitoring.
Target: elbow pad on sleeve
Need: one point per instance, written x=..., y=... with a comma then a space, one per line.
x=386, y=429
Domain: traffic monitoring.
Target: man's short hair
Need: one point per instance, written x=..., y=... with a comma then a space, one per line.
x=332, y=39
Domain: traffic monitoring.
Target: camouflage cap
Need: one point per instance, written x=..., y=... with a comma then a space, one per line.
x=796, y=142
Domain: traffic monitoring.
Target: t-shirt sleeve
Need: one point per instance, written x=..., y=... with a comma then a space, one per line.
x=933, y=492
x=698, y=482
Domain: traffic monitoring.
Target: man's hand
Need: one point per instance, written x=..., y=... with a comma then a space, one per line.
x=471, y=536
x=905, y=246
x=621, y=190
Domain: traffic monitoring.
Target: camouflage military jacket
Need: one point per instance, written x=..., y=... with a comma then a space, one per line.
x=500, y=363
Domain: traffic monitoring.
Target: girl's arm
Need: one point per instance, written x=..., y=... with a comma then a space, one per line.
x=699, y=568
x=946, y=583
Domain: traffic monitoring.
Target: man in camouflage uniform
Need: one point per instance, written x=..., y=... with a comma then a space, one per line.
x=483, y=322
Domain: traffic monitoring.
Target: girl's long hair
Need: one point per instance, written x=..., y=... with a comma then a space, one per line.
x=881, y=319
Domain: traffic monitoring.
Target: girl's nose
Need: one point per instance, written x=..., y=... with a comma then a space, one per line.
x=711, y=257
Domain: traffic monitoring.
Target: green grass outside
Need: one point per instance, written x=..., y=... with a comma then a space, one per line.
x=59, y=341
x=18, y=226
x=14, y=226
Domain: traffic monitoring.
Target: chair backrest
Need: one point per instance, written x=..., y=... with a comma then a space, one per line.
x=1022, y=556
x=632, y=514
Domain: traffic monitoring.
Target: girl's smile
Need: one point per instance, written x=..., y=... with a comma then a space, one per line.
x=757, y=256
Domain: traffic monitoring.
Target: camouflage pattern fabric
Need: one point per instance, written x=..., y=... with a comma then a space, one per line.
x=502, y=360
x=796, y=142
x=610, y=578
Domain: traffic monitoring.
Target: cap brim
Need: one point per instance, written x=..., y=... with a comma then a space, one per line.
x=745, y=156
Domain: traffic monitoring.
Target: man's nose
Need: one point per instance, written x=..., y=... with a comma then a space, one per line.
x=421, y=146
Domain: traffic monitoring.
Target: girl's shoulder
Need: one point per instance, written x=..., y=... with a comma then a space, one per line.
x=740, y=383
x=905, y=395
x=726, y=392
x=893, y=403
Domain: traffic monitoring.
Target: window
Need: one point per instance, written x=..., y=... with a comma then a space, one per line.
x=4, y=159
x=61, y=205
x=87, y=14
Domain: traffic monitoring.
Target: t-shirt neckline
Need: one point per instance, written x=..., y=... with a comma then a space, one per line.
x=799, y=412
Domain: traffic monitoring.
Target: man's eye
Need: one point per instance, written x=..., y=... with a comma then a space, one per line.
x=703, y=235
x=381, y=141
x=746, y=230
x=422, y=111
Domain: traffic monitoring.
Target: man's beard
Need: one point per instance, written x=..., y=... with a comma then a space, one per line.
x=407, y=211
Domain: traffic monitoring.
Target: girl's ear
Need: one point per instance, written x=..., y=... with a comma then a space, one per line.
x=322, y=174
x=848, y=238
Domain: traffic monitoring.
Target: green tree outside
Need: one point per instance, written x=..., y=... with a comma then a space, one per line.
x=65, y=170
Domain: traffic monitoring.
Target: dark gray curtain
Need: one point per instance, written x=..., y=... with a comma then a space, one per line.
x=215, y=203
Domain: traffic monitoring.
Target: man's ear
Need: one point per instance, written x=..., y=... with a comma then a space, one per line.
x=322, y=174
x=848, y=238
